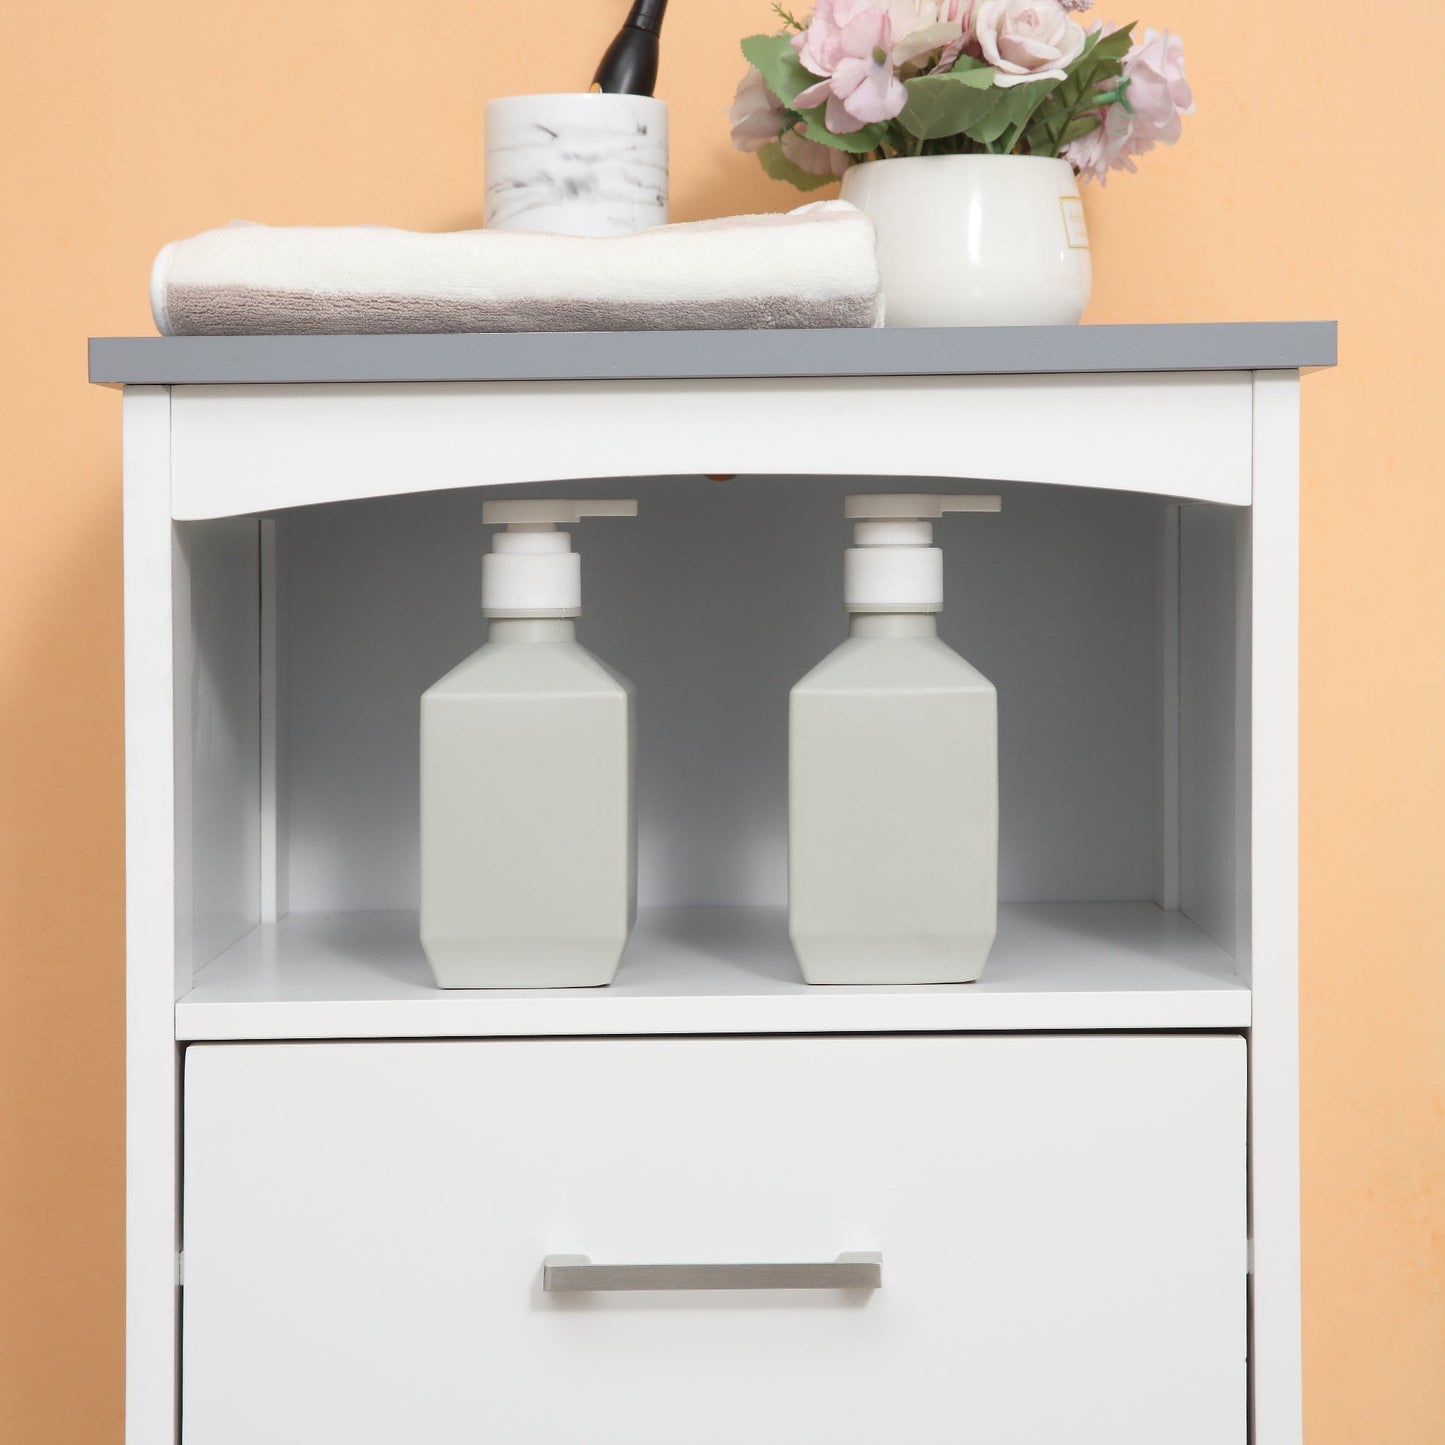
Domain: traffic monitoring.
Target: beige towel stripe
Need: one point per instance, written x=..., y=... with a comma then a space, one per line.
x=250, y=311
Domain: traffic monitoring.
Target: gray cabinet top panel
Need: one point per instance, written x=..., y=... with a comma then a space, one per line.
x=656, y=355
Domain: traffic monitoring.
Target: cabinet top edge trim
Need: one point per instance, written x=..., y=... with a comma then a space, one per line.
x=694, y=355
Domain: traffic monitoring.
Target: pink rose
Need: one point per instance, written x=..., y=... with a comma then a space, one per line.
x=1027, y=40
x=756, y=114
x=928, y=26
x=911, y=15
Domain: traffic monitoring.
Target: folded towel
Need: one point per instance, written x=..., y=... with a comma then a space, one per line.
x=814, y=266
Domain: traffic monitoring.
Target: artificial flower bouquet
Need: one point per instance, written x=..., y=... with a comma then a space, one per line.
x=866, y=80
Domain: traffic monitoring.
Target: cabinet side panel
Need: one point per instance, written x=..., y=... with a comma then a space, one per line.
x=1166, y=739
x=273, y=900
x=218, y=693
x=152, y=966
x=1274, y=929
x=1208, y=746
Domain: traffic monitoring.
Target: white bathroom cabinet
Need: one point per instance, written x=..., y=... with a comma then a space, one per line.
x=1071, y=1188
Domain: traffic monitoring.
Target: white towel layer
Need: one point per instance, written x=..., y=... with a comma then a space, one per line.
x=811, y=267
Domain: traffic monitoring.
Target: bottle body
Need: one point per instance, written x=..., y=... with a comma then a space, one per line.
x=629, y=65
x=893, y=809
x=528, y=821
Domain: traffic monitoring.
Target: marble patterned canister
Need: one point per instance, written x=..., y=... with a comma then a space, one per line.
x=576, y=165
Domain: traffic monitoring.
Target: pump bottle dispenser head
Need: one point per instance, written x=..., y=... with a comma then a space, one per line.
x=532, y=570
x=893, y=565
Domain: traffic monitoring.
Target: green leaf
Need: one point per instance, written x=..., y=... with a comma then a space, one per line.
x=1080, y=125
x=942, y=105
x=973, y=72
x=1087, y=88
x=773, y=55
x=1115, y=46
x=1071, y=96
x=857, y=142
x=965, y=64
x=1018, y=103
x=1042, y=138
x=780, y=168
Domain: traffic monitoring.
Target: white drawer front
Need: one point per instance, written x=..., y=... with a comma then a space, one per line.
x=1061, y=1220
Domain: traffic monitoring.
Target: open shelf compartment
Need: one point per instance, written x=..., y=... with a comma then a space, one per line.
x=1114, y=624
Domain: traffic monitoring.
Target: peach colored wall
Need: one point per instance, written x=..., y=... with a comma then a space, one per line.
x=1307, y=186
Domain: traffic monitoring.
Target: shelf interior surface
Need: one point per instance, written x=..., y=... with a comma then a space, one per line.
x=719, y=970
x=714, y=601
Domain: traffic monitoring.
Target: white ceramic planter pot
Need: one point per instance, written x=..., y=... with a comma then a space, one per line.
x=576, y=165
x=976, y=240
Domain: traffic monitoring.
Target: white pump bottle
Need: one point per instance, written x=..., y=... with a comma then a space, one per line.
x=528, y=818
x=893, y=771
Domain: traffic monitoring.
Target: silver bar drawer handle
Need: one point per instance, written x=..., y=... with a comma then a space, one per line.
x=575, y=1273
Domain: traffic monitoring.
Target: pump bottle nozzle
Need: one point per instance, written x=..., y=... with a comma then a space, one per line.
x=532, y=570
x=893, y=565
x=553, y=511
x=913, y=506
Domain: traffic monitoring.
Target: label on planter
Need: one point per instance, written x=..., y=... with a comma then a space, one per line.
x=1074, y=228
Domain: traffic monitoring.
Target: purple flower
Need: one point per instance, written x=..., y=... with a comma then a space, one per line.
x=850, y=44
x=758, y=119
x=1158, y=92
x=864, y=49
x=813, y=156
x=1158, y=96
x=756, y=114
x=1102, y=149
